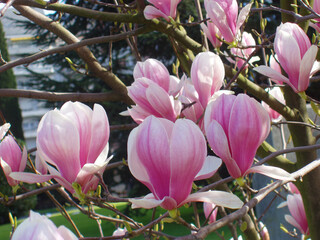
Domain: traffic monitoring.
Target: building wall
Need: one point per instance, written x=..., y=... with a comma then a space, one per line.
x=22, y=44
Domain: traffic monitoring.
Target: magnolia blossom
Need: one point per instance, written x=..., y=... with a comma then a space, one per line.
x=296, y=56
x=39, y=227
x=153, y=91
x=163, y=8
x=224, y=14
x=212, y=31
x=243, y=54
x=167, y=157
x=74, y=140
x=298, y=217
x=210, y=211
x=12, y=160
x=235, y=127
x=276, y=93
x=207, y=74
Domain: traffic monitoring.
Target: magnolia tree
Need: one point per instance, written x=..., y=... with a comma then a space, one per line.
x=177, y=117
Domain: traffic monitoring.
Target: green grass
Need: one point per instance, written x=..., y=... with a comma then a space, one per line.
x=89, y=228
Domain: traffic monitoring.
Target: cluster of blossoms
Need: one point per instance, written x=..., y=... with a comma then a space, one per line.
x=167, y=152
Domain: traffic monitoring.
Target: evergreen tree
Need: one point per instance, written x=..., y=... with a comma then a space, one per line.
x=9, y=106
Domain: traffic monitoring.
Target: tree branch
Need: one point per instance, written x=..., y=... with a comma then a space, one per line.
x=60, y=96
x=84, y=53
x=203, y=232
x=70, y=47
x=83, y=12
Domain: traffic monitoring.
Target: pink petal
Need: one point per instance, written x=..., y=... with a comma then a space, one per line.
x=209, y=168
x=30, y=177
x=243, y=16
x=293, y=222
x=272, y=74
x=136, y=167
x=80, y=115
x=100, y=132
x=4, y=129
x=220, y=198
x=305, y=68
x=138, y=114
x=151, y=12
x=220, y=145
x=58, y=142
x=153, y=70
x=255, y=127
x=61, y=180
x=273, y=172
x=24, y=159
x=187, y=148
x=66, y=234
x=161, y=102
x=147, y=202
x=288, y=53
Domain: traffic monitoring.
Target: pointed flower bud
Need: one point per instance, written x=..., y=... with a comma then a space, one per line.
x=12, y=160
x=207, y=74
x=235, y=127
x=210, y=211
x=298, y=216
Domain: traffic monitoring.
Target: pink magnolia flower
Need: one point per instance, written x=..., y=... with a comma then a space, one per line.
x=163, y=8
x=207, y=74
x=210, y=211
x=153, y=70
x=39, y=227
x=12, y=160
x=298, y=217
x=224, y=14
x=74, y=139
x=235, y=127
x=167, y=157
x=212, y=31
x=296, y=56
x=243, y=54
x=274, y=115
x=153, y=91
